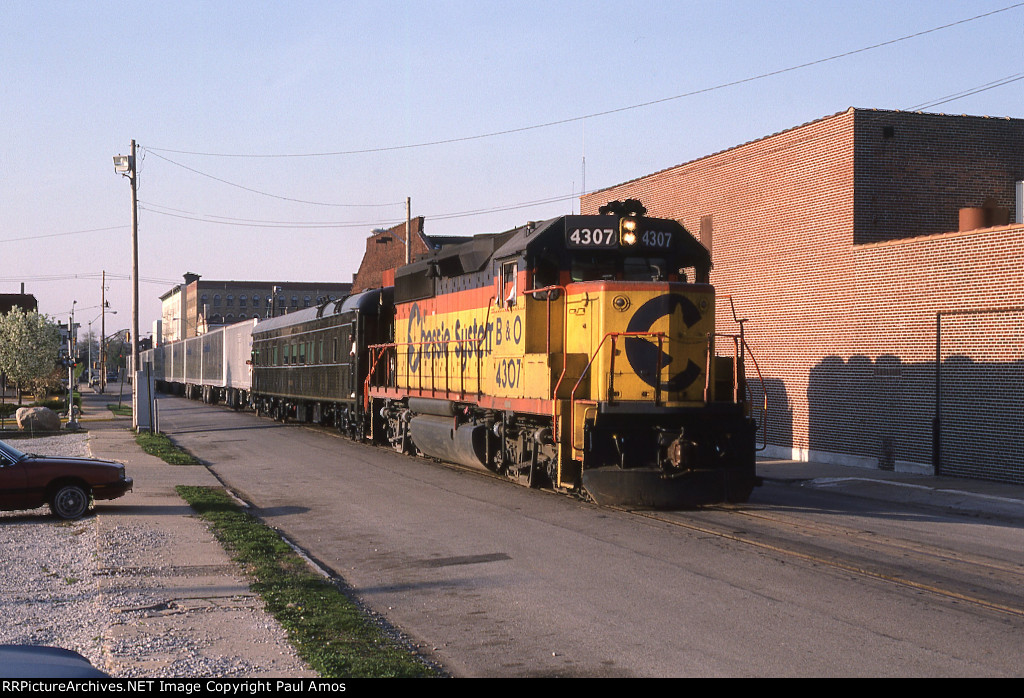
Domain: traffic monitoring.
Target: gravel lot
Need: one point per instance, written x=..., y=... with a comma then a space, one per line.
x=48, y=591
x=50, y=594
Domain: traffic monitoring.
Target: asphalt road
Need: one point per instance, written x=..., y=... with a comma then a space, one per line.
x=496, y=580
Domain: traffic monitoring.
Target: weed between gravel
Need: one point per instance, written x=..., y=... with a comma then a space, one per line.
x=326, y=628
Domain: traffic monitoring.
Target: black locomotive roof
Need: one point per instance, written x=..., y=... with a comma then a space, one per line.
x=417, y=280
x=530, y=234
x=473, y=254
x=455, y=259
x=365, y=303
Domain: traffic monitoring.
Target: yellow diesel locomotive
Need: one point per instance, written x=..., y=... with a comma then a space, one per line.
x=577, y=353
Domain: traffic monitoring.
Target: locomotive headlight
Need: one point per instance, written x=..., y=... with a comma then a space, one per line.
x=627, y=231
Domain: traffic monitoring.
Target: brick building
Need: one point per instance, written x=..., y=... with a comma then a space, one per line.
x=840, y=241
x=196, y=306
x=385, y=252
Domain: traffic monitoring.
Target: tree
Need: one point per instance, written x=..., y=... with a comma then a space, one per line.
x=29, y=348
x=117, y=348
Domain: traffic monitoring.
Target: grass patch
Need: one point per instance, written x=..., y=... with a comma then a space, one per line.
x=120, y=410
x=325, y=627
x=160, y=446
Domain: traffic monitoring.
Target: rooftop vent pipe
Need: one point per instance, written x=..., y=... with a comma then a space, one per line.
x=988, y=215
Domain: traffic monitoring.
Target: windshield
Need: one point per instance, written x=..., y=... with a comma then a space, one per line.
x=11, y=452
x=607, y=267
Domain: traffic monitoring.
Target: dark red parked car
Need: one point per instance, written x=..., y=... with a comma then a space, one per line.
x=28, y=481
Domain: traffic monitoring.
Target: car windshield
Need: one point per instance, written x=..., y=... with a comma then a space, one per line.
x=11, y=452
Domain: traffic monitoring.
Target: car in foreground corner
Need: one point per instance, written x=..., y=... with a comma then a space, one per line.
x=67, y=484
x=36, y=662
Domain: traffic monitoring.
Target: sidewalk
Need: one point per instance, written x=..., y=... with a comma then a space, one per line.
x=970, y=497
x=181, y=606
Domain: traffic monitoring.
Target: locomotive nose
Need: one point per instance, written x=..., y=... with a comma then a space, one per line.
x=672, y=363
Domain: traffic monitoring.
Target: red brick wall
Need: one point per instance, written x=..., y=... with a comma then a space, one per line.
x=914, y=172
x=380, y=256
x=974, y=280
x=845, y=332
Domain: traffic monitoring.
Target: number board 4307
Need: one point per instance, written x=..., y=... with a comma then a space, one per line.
x=596, y=236
x=655, y=239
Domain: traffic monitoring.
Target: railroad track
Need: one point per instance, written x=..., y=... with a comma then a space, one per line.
x=973, y=578
x=965, y=577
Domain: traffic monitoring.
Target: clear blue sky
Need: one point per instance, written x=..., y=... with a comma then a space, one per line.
x=79, y=80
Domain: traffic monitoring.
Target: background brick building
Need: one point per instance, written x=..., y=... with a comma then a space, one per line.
x=385, y=252
x=839, y=241
x=196, y=306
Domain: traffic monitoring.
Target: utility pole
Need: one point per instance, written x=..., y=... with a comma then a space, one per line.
x=126, y=166
x=408, y=230
x=135, y=266
x=103, y=334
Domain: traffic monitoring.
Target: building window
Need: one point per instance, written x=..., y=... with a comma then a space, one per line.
x=216, y=300
x=295, y=301
x=241, y=301
x=231, y=301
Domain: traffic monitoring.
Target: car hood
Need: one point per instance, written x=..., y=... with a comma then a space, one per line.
x=73, y=461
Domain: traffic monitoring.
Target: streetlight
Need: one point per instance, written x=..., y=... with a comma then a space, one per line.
x=125, y=166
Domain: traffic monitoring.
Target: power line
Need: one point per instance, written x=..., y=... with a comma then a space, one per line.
x=263, y=193
x=499, y=209
x=223, y=220
x=89, y=276
x=253, y=223
x=73, y=232
x=968, y=92
x=607, y=112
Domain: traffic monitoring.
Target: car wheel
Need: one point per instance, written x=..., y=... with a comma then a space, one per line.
x=69, y=501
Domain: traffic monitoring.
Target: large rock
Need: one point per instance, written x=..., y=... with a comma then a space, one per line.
x=37, y=419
